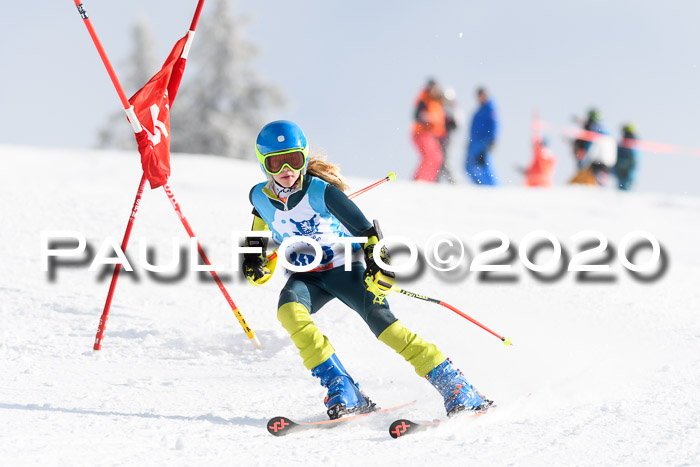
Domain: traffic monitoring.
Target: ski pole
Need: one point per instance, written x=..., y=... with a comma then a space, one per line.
x=391, y=176
x=395, y=288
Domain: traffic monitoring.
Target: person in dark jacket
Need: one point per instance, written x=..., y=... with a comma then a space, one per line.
x=452, y=116
x=482, y=137
x=581, y=146
x=595, y=155
x=627, y=157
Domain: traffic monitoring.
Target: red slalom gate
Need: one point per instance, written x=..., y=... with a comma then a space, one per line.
x=129, y=109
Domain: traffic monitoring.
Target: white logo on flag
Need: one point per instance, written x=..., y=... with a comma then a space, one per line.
x=158, y=126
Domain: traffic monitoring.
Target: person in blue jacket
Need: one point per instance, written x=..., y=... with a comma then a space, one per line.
x=305, y=197
x=482, y=137
x=627, y=157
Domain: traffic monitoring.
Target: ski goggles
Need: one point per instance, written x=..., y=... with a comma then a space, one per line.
x=276, y=162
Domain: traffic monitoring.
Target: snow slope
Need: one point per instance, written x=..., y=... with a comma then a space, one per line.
x=600, y=373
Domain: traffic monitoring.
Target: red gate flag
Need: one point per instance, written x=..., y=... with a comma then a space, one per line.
x=152, y=105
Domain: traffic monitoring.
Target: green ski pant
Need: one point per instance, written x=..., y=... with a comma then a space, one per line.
x=305, y=293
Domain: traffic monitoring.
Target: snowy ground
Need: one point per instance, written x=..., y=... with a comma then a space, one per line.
x=600, y=373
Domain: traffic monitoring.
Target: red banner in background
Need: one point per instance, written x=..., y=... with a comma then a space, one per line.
x=648, y=146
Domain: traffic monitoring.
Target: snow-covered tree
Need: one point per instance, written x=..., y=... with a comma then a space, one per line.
x=222, y=102
x=140, y=66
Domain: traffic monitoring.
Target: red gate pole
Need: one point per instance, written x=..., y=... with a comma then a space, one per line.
x=118, y=266
x=108, y=65
x=241, y=320
x=169, y=192
x=142, y=185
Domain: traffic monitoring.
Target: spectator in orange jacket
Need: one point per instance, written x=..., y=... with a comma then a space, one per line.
x=541, y=170
x=428, y=130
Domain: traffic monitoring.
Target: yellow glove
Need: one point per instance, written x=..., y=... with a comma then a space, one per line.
x=258, y=270
x=377, y=280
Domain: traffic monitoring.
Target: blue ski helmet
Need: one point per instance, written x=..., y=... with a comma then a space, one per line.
x=281, y=137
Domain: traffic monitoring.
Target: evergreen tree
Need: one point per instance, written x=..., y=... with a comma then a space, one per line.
x=222, y=102
x=140, y=66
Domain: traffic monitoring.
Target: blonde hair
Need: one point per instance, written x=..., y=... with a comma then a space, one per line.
x=319, y=167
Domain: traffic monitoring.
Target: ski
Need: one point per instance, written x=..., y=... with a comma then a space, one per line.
x=403, y=427
x=281, y=426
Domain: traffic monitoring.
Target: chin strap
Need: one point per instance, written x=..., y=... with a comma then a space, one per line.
x=284, y=192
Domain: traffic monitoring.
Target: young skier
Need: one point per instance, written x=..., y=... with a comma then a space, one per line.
x=303, y=197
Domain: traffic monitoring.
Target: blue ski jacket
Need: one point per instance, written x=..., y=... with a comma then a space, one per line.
x=484, y=129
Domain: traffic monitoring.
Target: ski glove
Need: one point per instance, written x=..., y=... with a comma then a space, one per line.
x=377, y=280
x=257, y=268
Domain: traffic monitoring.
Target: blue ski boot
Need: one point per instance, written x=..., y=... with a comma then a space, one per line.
x=344, y=396
x=458, y=393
